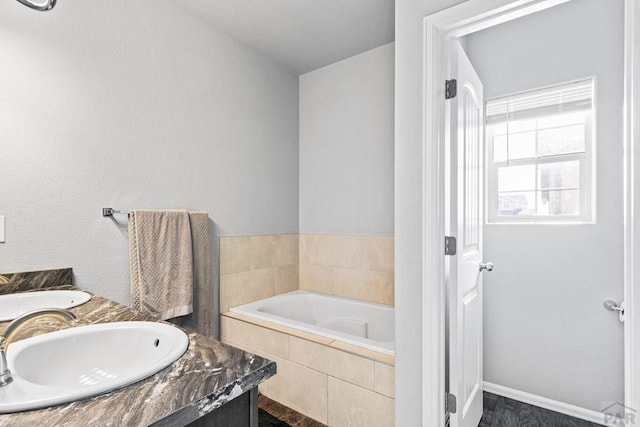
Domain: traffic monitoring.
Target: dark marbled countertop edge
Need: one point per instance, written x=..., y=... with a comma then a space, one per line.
x=208, y=375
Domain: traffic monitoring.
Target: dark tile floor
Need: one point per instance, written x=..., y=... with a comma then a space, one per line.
x=265, y=419
x=274, y=414
x=503, y=412
x=498, y=412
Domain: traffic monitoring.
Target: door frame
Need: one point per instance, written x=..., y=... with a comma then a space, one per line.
x=465, y=18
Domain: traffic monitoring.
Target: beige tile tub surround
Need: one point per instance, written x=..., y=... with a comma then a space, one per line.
x=277, y=250
x=257, y=267
x=352, y=266
x=355, y=406
x=331, y=385
x=235, y=254
x=333, y=382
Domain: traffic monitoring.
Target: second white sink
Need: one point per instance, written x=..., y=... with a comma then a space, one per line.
x=14, y=305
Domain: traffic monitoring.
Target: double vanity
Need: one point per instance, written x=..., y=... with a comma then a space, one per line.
x=91, y=361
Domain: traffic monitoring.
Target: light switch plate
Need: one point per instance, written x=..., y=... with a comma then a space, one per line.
x=1, y=229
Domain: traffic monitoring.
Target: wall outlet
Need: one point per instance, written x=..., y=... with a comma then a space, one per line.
x=1, y=229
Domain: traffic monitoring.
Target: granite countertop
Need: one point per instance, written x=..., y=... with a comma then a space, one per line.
x=208, y=375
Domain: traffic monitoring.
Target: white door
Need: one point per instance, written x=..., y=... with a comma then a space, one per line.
x=466, y=216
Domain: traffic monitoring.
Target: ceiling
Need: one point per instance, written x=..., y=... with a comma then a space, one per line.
x=302, y=35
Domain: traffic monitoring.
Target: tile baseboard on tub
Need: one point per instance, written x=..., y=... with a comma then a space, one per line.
x=543, y=402
x=349, y=348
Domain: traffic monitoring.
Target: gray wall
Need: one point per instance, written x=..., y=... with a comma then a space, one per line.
x=135, y=105
x=546, y=332
x=346, y=145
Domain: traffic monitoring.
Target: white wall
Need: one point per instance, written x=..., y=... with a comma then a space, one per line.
x=546, y=332
x=135, y=105
x=346, y=145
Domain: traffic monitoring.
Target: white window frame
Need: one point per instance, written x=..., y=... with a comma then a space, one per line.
x=587, y=178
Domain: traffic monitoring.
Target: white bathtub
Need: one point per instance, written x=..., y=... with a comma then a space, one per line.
x=352, y=321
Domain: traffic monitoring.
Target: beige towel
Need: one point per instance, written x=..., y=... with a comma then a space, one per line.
x=161, y=257
x=201, y=319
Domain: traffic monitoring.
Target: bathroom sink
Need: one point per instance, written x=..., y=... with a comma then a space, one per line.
x=85, y=361
x=14, y=305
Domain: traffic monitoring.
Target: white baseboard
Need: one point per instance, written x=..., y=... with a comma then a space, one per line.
x=543, y=402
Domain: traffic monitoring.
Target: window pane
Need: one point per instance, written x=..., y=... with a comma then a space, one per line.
x=560, y=120
x=516, y=203
x=539, y=203
x=560, y=202
x=561, y=175
x=499, y=128
x=500, y=148
x=563, y=140
x=517, y=178
x=516, y=126
x=522, y=145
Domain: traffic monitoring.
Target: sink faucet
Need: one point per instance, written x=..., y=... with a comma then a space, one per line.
x=7, y=336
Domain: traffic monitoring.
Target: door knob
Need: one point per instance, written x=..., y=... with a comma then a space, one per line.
x=612, y=306
x=488, y=266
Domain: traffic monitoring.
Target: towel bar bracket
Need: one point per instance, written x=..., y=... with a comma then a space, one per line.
x=109, y=212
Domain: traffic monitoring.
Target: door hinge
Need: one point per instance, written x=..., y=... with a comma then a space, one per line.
x=450, y=403
x=450, y=245
x=450, y=88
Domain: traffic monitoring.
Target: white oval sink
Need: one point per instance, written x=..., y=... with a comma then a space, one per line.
x=15, y=305
x=77, y=363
